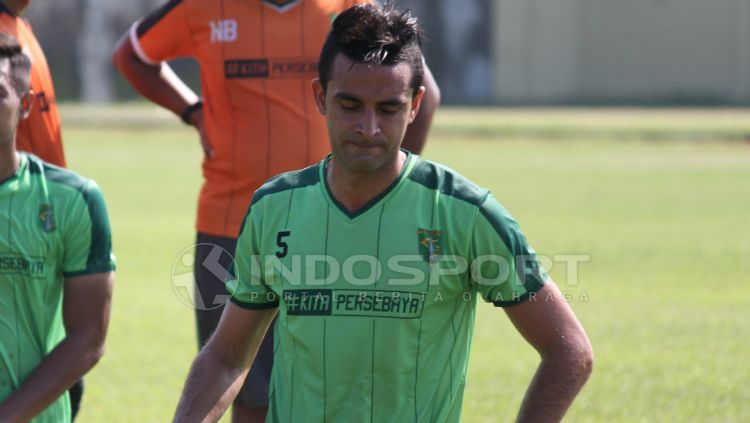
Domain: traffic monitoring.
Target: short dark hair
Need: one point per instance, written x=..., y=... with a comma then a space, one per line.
x=20, y=64
x=375, y=35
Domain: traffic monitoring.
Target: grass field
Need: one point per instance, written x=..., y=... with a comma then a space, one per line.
x=659, y=201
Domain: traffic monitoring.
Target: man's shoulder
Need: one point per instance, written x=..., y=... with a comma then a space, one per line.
x=302, y=178
x=447, y=181
x=60, y=178
x=55, y=173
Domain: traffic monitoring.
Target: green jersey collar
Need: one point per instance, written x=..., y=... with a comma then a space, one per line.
x=411, y=159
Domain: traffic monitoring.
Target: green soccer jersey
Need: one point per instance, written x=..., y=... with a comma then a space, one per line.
x=376, y=308
x=53, y=225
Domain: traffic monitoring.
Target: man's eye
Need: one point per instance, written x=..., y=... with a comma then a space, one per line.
x=390, y=109
x=348, y=105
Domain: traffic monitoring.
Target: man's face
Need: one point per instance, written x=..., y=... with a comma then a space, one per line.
x=12, y=106
x=367, y=109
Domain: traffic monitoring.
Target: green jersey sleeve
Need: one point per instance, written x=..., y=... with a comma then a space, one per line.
x=87, y=238
x=504, y=267
x=249, y=289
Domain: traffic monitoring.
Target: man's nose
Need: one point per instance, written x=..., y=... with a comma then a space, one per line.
x=369, y=126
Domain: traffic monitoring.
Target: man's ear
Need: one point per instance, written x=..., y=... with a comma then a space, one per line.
x=416, y=102
x=27, y=102
x=320, y=95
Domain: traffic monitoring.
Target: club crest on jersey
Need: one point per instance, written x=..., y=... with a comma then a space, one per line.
x=46, y=218
x=430, y=244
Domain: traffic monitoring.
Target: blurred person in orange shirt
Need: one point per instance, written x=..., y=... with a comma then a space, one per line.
x=40, y=133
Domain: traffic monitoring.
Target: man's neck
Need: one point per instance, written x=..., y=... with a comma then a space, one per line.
x=9, y=160
x=354, y=190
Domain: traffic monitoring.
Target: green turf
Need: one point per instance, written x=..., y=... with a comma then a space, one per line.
x=664, y=296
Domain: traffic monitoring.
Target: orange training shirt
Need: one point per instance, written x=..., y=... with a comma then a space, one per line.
x=257, y=60
x=40, y=132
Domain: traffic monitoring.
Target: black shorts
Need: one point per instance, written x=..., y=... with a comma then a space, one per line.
x=213, y=258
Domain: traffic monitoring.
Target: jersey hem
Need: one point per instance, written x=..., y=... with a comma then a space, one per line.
x=254, y=306
x=89, y=271
x=218, y=233
x=521, y=299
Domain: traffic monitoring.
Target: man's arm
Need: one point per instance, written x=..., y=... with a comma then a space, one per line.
x=547, y=322
x=158, y=84
x=416, y=133
x=86, y=307
x=218, y=372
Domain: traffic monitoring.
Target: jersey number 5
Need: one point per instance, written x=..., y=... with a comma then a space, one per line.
x=284, y=247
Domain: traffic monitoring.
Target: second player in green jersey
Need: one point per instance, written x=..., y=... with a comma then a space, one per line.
x=56, y=266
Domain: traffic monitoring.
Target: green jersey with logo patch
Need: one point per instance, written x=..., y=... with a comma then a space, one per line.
x=53, y=225
x=376, y=307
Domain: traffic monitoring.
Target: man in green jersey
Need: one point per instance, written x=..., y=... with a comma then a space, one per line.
x=56, y=266
x=374, y=259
